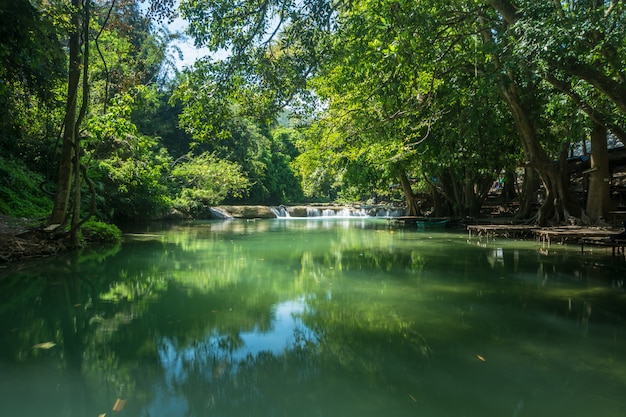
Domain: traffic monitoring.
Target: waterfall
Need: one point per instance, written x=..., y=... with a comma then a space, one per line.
x=338, y=212
x=280, y=211
x=217, y=213
x=313, y=212
x=351, y=213
x=397, y=212
x=328, y=212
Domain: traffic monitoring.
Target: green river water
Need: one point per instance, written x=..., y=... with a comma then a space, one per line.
x=314, y=317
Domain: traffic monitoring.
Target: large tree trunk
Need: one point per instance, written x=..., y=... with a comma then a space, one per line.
x=60, y=210
x=409, y=195
x=76, y=212
x=599, y=194
x=509, y=191
x=440, y=204
x=558, y=205
x=530, y=193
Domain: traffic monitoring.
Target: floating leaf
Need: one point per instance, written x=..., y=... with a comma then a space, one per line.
x=119, y=405
x=45, y=345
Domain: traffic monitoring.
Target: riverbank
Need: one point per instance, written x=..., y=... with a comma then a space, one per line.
x=21, y=239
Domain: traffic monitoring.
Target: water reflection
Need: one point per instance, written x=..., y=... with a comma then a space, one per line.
x=309, y=318
x=216, y=359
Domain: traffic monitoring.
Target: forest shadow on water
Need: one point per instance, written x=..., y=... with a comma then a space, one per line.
x=344, y=317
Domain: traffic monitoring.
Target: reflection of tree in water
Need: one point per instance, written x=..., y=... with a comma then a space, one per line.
x=335, y=365
x=55, y=305
x=377, y=322
x=308, y=379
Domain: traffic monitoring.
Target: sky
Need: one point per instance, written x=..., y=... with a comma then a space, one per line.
x=190, y=52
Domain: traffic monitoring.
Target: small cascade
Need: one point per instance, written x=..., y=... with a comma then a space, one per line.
x=313, y=212
x=280, y=211
x=395, y=212
x=217, y=213
x=351, y=213
x=328, y=212
x=303, y=212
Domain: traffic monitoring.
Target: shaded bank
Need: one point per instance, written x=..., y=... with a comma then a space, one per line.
x=20, y=240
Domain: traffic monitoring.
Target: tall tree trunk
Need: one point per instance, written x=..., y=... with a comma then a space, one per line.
x=529, y=196
x=60, y=210
x=558, y=205
x=599, y=195
x=409, y=195
x=439, y=202
x=76, y=212
x=509, y=191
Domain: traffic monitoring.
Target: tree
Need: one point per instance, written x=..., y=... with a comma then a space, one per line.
x=69, y=165
x=71, y=172
x=129, y=169
x=30, y=51
x=206, y=181
x=578, y=48
x=31, y=67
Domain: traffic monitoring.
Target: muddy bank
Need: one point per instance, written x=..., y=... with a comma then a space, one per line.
x=20, y=239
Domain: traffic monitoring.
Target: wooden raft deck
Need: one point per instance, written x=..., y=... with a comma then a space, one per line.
x=418, y=219
x=584, y=236
x=504, y=230
x=569, y=234
x=617, y=245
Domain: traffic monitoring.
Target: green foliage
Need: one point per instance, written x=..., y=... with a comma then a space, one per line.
x=204, y=181
x=273, y=47
x=129, y=168
x=96, y=231
x=20, y=195
x=31, y=70
x=282, y=181
x=155, y=114
x=30, y=51
x=129, y=52
x=221, y=126
x=396, y=87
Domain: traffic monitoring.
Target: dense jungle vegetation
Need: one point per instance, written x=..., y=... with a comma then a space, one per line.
x=309, y=100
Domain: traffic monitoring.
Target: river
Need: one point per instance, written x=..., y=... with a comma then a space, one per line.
x=314, y=317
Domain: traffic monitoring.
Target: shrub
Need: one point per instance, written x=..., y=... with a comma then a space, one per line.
x=96, y=231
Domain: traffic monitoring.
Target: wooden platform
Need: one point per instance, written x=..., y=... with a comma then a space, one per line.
x=585, y=236
x=503, y=230
x=617, y=246
x=571, y=234
x=419, y=220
